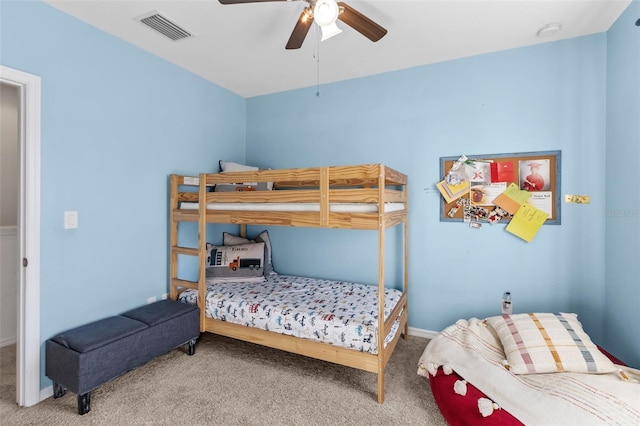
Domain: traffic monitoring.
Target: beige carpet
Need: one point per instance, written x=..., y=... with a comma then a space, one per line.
x=228, y=382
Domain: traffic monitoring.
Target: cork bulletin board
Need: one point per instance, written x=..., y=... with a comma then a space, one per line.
x=490, y=175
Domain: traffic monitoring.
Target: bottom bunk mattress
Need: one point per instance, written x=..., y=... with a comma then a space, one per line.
x=336, y=312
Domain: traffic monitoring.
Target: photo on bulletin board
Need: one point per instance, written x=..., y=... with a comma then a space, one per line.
x=471, y=187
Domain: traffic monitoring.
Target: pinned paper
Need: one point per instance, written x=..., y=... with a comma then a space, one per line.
x=478, y=171
x=497, y=214
x=512, y=198
x=542, y=200
x=484, y=195
x=455, y=174
x=459, y=203
x=502, y=172
x=459, y=162
x=452, y=192
x=526, y=222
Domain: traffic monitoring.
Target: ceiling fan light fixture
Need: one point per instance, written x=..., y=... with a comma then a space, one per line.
x=329, y=31
x=325, y=13
x=307, y=15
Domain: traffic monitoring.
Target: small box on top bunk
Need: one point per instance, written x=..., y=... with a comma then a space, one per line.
x=83, y=358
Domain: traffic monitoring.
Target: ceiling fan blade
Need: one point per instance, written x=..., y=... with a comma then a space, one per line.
x=360, y=23
x=246, y=1
x=301, y=29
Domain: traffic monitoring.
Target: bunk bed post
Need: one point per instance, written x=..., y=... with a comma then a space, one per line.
x=324, y=196
x=405, y=224
x=202, y=248
x=381, y=321
x=173, y=236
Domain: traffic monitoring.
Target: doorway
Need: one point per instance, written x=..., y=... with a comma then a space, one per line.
x=28, y=235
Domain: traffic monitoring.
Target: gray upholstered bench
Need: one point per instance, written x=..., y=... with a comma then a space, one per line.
x=83, y=358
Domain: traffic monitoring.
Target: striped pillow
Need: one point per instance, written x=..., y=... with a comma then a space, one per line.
x=548, y=343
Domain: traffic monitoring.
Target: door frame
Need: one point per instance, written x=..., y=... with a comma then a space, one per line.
x=28, y=336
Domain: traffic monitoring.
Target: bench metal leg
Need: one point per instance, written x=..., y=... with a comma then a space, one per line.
x=58, y=390
x=84, y=403
x=192, y=347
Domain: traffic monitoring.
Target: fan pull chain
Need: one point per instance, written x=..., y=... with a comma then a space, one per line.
x=318, y=73
x=317, y=56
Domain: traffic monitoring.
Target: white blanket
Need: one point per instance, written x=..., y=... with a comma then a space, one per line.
x=473, y=351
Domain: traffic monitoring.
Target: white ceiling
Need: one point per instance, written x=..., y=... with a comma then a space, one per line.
x=241, y=47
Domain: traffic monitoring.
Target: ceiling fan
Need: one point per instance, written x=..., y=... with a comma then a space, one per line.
x=325, y=13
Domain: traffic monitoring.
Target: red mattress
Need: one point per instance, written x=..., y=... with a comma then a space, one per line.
x=463, y=410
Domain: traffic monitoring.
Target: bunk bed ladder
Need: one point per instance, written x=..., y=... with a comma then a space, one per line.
x=176, y=284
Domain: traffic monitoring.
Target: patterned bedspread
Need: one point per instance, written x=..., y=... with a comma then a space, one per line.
x=335, y=312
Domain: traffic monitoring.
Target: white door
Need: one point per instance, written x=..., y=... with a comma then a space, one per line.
x=28, y=336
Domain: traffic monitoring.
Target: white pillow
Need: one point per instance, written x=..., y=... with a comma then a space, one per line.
x=243, y=262
x=548, y=343
x=263, y=237
x=228, y=166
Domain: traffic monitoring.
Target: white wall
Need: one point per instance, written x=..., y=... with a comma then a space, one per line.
x=9, y=158
x=8, y=285
x=9, y=161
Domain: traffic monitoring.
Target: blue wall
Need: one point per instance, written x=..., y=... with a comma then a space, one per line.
x=546, y=97
x=116, y=121
x=622, y=309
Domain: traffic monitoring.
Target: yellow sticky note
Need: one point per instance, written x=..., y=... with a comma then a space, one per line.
x=519, y=195
x=526, y=222
x=512, y=198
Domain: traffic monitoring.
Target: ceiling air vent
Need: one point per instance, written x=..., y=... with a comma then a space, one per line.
x=164, y=26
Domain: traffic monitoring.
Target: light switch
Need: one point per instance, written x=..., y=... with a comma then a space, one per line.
x=70, y=220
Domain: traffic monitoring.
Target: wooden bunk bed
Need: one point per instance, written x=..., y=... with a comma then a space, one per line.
x=321, y=197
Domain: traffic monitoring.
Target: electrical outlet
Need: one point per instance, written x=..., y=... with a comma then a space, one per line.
x=164, y=296
x=152, y=299
x=70, y=219
x=506, y=307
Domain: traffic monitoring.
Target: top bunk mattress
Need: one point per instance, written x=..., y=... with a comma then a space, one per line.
x=298, y=207
x=335, y=312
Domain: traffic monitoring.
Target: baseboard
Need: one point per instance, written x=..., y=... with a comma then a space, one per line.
x=46, y=393
x=419, y=332
x=7, y=341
